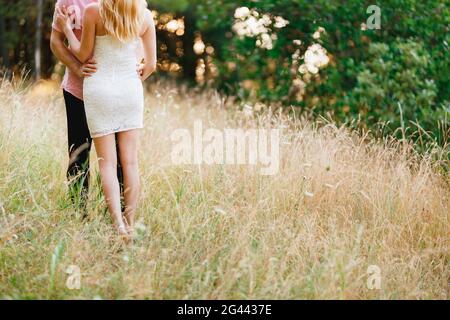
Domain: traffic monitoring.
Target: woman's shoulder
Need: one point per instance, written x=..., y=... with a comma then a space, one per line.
x=91, y=13
x=92, y=9
x=148, y=16
x=148, y=21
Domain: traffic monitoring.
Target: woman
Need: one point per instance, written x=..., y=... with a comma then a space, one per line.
x=114, y=95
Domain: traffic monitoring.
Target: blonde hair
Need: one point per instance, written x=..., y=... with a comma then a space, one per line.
x=123, y=19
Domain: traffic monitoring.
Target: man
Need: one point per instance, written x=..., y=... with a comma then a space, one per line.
x=79, y=140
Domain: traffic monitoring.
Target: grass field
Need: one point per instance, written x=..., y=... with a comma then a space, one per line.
x=341, y=202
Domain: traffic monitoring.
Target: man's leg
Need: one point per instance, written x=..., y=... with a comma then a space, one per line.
x=79, y=146
x=120, y=174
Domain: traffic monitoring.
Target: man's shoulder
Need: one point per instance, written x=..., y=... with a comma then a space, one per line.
x=66, y=3
x=83, y=3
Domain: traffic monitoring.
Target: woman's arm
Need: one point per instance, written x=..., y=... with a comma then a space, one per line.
x=149, y=45
x=82, y=50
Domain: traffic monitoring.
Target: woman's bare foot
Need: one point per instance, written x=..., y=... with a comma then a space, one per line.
x=124, y=234
x=128, y=218
x=131, y=232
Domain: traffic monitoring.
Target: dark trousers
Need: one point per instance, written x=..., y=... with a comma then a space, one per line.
x=79, y=146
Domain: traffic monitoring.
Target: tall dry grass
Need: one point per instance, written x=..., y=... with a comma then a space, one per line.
x=340, y=203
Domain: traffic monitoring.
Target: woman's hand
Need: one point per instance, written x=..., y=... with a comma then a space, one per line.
x=63, y=20
x=144, y=70
x=140, y=68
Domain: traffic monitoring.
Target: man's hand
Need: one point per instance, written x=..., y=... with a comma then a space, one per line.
x=88, y=69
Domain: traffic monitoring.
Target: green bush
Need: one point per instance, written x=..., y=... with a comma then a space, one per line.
x=395, y=84
x=372, y=74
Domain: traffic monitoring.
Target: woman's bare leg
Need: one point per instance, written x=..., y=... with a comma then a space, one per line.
x=128, y=141
x=107, y=160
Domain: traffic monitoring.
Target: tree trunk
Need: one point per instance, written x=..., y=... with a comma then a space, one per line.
x=189, y=59
x=3, y=48
x=38, y=46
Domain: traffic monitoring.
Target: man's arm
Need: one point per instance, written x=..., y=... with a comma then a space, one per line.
x=64, y=55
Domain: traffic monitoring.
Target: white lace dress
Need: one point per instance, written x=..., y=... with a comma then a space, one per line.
x=113, y=96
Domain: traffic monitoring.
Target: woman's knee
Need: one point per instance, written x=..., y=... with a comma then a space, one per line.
x=129, y=160
x=107, y=165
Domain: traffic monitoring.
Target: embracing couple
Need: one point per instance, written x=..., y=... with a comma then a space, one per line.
x=104, y=95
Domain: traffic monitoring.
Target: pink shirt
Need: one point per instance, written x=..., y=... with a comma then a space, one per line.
x=71, y=82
